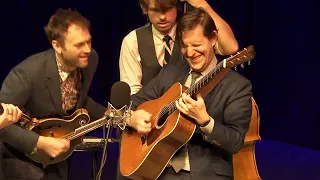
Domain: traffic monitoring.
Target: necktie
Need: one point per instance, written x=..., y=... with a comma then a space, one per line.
x=194, y=76
x=179, y=160
x=167, y=54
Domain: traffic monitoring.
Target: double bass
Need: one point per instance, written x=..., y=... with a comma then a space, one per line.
x=244, y=162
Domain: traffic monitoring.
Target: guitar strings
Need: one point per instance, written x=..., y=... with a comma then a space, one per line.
x=195, y=87
x=72, y=135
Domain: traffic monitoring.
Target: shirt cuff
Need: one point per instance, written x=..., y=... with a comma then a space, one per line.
x=34, y=151
x=208, y=128
x=217, y=49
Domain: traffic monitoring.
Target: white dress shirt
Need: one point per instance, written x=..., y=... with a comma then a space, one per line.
x=130, y=60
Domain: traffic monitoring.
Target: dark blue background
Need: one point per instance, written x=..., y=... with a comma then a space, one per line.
x=284, y=73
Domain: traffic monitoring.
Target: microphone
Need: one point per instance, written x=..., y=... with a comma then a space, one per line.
x=120, y=94
x=117, y=112
x=120, y=104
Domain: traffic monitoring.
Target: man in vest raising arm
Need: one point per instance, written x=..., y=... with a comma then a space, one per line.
x=146, y=50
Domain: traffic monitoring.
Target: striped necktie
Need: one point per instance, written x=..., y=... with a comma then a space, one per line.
x=167, y=54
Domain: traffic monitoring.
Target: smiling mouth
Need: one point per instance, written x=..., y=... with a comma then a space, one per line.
x=195, y=59
x=84, y=58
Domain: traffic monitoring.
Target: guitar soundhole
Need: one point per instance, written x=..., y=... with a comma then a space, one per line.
x=162, y=118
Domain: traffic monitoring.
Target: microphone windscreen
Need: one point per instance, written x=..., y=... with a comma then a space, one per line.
x=120, y=94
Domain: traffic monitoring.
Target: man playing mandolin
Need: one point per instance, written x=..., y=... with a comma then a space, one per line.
x=52, y=83
x=222, y=117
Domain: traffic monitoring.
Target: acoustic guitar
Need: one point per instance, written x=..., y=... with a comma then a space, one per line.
x=140, y=155
x=72, y=127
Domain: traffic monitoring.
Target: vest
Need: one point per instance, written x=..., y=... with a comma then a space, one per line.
x=149, y=61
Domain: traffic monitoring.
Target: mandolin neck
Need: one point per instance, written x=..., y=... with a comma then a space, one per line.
x=86, y=128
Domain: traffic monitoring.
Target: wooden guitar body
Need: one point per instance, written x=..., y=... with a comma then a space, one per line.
x=59, y=128
x=244, y=162
x=139, y=157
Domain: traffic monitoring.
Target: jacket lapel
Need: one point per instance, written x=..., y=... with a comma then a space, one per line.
x=184, y=69
x=84, y=75
x=53, y=81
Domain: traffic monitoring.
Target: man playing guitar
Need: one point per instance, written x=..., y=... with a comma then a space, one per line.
x=222, y=117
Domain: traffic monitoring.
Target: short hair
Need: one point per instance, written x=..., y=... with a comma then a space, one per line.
x=163, y=5
x=59, y=23
x=191, y=19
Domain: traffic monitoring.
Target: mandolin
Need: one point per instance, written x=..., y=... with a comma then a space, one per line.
x=72, y=127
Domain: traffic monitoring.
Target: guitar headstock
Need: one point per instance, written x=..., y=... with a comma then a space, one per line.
x=246, y=55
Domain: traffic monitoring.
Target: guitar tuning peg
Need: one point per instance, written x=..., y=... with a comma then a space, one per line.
x=242, y=65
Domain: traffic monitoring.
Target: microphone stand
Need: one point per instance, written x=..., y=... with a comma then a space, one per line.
x=116, y=118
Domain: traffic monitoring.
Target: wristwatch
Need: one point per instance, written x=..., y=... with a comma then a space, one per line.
x=206, y=123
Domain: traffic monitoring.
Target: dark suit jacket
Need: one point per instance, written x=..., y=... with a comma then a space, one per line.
x=229, y=104
x=34, y=85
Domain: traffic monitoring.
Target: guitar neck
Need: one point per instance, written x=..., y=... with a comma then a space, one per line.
x=210, y=80
x=204, y=85
x=207, y=80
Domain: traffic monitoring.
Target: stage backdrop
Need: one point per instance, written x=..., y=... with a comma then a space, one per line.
x=284, y=73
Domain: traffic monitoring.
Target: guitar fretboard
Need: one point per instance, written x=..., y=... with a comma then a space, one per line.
x=195, y=88
x=245, y=55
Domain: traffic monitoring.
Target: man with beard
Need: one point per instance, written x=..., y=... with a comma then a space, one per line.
x=52, y=83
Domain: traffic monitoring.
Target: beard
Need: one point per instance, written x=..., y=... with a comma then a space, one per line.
x=72, y=62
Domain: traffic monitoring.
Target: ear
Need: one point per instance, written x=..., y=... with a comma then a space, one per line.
x=56, y=46
x=214, y=39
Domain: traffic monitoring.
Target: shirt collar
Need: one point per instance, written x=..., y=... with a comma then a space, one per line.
x=210, y=67
x=158, y=34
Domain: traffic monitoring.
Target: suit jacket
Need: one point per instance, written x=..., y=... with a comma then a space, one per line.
x=229, y=104
x=34, y=86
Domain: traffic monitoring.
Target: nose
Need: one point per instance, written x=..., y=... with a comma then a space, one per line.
x=87, y=48
x=189, y=52
x=162, y=16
